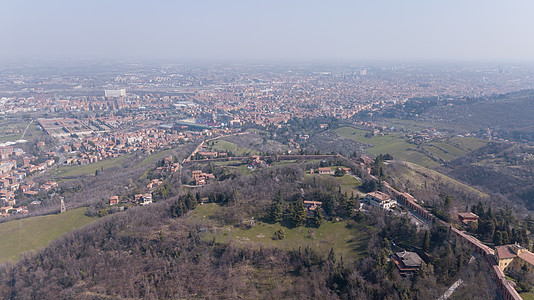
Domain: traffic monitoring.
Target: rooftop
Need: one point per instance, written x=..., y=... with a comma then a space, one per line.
x=409, y=259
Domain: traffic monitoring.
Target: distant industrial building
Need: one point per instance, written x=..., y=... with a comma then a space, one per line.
x=115, y=93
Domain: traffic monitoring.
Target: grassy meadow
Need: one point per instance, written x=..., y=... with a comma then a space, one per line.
x=37, y=232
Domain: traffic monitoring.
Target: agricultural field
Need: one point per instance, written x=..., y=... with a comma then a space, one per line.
x=350, y=243
x=33, y=233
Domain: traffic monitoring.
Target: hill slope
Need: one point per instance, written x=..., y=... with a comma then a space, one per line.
x=19, y=236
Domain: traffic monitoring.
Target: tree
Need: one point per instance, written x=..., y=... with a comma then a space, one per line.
x=298, y=213
x=276, y=212
x=447, y=202
x=369, y=185
x=190, y=201
x=381, y=174
x=426, y=241
x=279, y=234
x=339, y=172
x=177, y=209
x=317, y=218
x=235, y=197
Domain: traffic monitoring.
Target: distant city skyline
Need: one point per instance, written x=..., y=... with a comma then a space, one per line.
x=268, y=31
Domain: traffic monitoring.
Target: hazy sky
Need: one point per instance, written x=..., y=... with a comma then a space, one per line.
x=472, y=30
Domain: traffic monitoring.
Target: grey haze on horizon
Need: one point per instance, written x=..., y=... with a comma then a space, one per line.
x=452, y=30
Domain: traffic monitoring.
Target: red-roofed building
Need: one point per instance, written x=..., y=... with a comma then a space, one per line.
x=467, y=217
x=325, y=170
x=311, y=206
x=514, y=258
x=113, y=200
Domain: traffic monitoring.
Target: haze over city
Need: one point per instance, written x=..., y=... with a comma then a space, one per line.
x=271, y=31
x=267, y=149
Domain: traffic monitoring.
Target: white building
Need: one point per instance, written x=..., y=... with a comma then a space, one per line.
x=115, y=93
x=380, y=199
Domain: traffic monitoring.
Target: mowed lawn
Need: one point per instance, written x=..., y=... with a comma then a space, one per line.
x=350, y=243
x=37, y=232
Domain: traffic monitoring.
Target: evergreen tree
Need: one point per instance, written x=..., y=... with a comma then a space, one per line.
x=298, y=213
x=190, y=201
x=279, y=235
x=497, y=238
x=276, y=212
x=317, y=218
x=339, y=172
x=426, y=241
x=177, y=209
x=235, y=197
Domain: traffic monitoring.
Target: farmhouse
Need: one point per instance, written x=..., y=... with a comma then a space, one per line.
x=325, y=170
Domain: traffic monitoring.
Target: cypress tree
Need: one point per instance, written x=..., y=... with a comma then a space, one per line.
x=298, y=214
x=317, y=218
x=190, y=201
x=426, y=241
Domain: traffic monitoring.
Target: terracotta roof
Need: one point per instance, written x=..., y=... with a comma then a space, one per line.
x=467, y=215
x=527, y=256
x=504, y=252
x=379, y=195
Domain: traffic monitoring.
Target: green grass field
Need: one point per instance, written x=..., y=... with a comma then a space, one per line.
x=393, y=144
x=33, y=130
x=451, y=148
x=396, y=145
x=37, y=232
x=155, y=157
x=9, y=138
x=351, y=243
x=527, y=296
x=225, y=146
x=348, y=183
x=418, y=175
x=68, y=171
